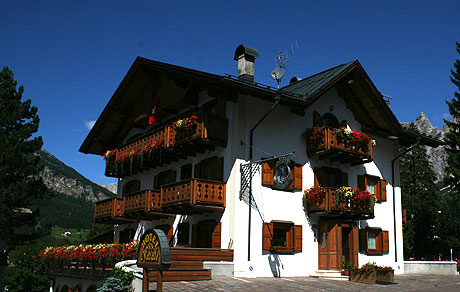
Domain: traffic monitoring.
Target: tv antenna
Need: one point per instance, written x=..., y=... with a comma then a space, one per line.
x=280, y=62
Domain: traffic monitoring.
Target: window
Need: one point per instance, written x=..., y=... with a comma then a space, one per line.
x=330, y=177
x=131, y=186
x=374, y=185
x=373, y=241
x=207, y=234
x=164, y=178
x=282, y=237
x=280, y=178
x=186, y=172
x=211, y=168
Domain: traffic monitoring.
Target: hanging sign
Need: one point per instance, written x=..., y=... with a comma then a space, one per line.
x=282, y=174
x=153, y=251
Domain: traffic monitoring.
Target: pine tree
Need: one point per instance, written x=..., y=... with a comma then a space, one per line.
x=450, y=227
x=421, y=199
x=452, y=139
x=20, y=185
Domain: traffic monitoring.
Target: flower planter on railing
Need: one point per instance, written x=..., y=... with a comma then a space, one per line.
x=330, y=202
x=166, y=144
x=146, y=201
x=340, y=145
x=194, y=193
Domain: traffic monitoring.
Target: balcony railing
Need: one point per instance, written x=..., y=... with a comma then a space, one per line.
x=333, y=205
x=330, y=145
x=142, y=201
x=109, y=208
x=193, y=194
x=167, y=144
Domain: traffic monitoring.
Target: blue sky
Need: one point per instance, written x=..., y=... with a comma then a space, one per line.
x=71, y=55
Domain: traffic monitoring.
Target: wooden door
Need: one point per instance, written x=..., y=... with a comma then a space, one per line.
x=329, y=246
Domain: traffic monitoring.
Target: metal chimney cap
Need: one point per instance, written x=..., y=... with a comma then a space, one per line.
x=242, y=49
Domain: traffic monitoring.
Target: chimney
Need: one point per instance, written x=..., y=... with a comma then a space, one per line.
x=245, y=56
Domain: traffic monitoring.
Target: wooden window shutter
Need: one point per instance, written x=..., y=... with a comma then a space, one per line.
x=267, y=174
x=197, y=171
x=297, y=238
x=379, y=242
x=217, y=169
x=317, y=120
x=355, y=243
x=362, y=183
x=363, y=241
x=344, y=177
x=171, y=176
x=137, y=186
x=383, y=190
x=319, y=176
x=195, y=233
x=216, y=236
x=386, y=242
x=297, y=177
x=267, y=236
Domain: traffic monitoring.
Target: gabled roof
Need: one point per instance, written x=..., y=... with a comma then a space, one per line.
x=351, y=81
x=312, y=84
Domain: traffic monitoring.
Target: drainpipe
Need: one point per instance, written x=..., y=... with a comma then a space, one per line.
x=393, y=186
x=251, y=143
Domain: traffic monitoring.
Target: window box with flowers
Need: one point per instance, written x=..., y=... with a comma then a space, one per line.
x=314, y=198
x=186, y=129
x=339, y=144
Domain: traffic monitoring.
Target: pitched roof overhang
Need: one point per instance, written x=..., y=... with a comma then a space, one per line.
x=359, y=93
x=119, y=114
x=351, y=81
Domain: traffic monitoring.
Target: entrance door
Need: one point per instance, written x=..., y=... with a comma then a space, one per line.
x=336, y=243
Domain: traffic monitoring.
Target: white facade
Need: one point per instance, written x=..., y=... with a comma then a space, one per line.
x=278, y=134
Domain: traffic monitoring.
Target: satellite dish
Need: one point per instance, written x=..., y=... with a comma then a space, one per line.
x=278, y=73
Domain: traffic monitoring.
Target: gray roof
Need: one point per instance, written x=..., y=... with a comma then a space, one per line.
x=310, y=85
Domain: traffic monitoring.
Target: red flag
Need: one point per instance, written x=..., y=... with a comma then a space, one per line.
x=154, y=113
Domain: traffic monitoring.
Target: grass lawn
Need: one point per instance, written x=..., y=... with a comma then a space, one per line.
x=76, y=236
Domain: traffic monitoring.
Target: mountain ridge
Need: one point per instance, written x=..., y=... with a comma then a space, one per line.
x=63, y=179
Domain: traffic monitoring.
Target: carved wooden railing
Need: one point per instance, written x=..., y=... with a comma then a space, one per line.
x=162, y=134
x=109, y=208
x=193, y=192
x=331, y=141
x=207, y=129
x=332, y=204
x=147, y=200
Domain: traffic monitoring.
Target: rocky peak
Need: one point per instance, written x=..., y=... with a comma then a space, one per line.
x=424, y=125
x=437, y=156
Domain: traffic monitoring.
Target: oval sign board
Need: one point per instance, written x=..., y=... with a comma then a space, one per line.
x=153, y=251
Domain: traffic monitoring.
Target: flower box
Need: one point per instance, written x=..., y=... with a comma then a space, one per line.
x=388, y=277
x=368, y=278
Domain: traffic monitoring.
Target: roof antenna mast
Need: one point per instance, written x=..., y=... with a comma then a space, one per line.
x=280, y=62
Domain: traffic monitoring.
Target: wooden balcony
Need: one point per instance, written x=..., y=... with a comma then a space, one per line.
x=109, y=210
x=207, y=133
x=142, y=205
x=193, y=196
x=330, y=205
x=335, y=149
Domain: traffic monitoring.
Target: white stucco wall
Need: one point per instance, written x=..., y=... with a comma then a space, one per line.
x=281, y=133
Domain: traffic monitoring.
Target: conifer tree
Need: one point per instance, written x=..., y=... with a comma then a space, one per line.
x=450, y=225
x=421, y=199
x=452, y=139
x=20, y=184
